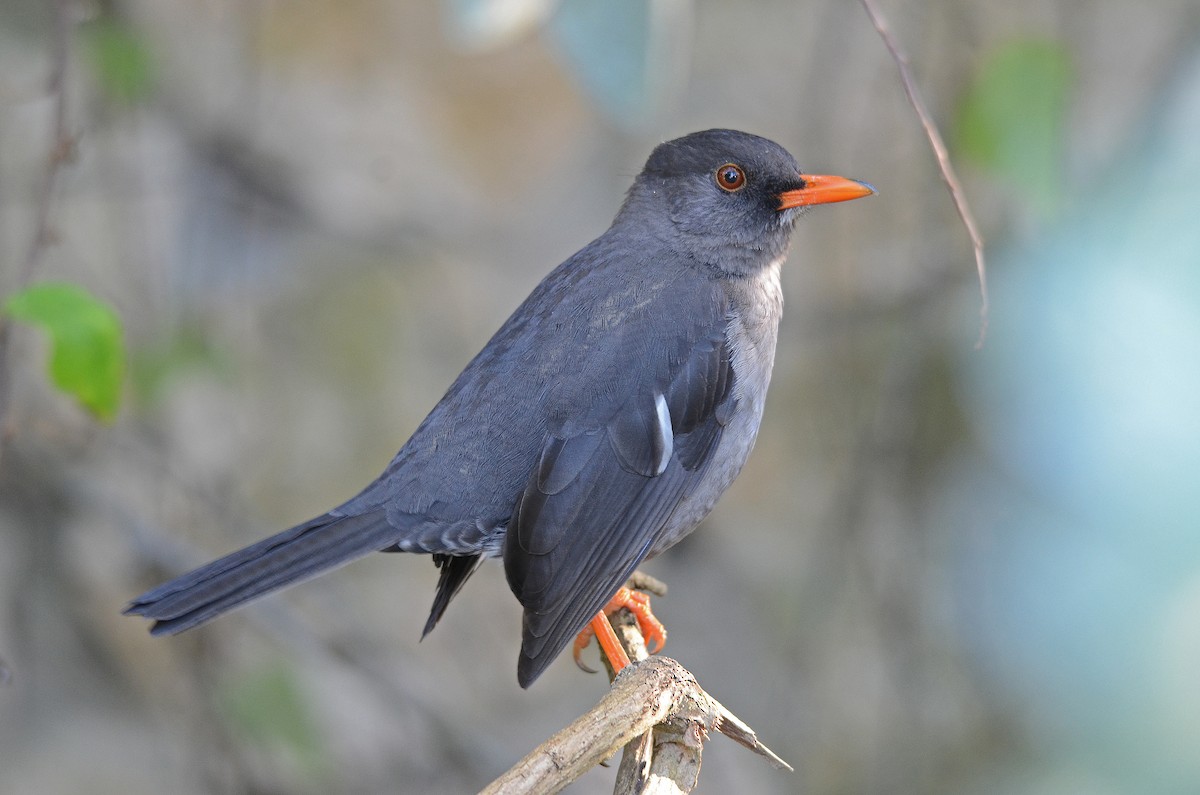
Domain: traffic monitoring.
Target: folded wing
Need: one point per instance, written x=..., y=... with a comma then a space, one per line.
x=603, y=496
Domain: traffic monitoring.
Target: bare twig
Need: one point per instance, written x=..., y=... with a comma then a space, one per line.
x=636, y=768
x=644, y=768
x=62, y=144
x=666, y=759
x=943, y=158
x=62, y=147
x=656, y=710
x=643, y=696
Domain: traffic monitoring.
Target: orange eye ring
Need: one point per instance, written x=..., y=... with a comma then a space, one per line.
x=730, y=178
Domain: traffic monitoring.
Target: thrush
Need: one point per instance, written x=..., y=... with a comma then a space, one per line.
x=596, y=428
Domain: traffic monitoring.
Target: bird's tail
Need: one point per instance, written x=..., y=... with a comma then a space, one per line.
x=304, y=551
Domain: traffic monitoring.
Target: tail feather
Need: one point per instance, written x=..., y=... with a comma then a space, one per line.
x=283, y=559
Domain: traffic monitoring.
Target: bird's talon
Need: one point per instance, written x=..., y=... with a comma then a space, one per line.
x=637, y=603
x=581, y=643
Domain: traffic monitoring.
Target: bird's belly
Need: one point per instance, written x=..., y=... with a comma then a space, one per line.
x=752, y=336
x=734, y=448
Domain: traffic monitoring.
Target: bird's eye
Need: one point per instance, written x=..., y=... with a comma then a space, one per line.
x=730, y=178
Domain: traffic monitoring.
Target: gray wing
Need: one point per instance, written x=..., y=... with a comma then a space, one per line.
x=602, y=496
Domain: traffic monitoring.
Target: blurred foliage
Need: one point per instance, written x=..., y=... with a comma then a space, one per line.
x=87, y=355
x=621, y=52
x=267, y=707
x=481, y=24
x=151, y=369
x=1010, y=122
x=1082, y=584
x=120, y=59
x=607, y=43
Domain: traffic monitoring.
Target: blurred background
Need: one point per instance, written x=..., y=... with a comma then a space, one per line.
x=944, y=570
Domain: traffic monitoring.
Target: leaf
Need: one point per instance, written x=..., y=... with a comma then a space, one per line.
x=87, y=355
x=1012, y=119
x=121, y=61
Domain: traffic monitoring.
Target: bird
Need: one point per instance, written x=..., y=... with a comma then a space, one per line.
x=597, y=427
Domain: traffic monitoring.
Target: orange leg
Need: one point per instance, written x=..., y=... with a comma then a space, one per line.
x=635, y=602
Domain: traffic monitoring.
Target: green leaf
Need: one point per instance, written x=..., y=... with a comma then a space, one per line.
x=87, y=355
x=121, y=61
x=1012, y=118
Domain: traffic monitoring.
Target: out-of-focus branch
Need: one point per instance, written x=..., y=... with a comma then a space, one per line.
x=943, y=158
x=62, y=147
x=62, y=144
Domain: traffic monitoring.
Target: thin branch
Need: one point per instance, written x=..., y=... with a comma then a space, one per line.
x=641, y=762
x=62, y=144
x=943, y=158
x=62, y=147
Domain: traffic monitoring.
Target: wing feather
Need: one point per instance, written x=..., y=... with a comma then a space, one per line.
x=601, y=498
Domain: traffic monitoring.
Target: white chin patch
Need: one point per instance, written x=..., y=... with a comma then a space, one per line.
x=790, y=215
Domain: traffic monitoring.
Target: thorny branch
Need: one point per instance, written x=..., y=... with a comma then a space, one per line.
x=943, y=158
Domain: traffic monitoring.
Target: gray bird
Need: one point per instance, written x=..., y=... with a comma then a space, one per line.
x=597, y=427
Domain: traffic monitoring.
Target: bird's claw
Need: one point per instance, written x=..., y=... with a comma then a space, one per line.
x=581, y=642
x=637, y=603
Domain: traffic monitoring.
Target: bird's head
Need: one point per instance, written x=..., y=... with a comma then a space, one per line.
x=728, y=199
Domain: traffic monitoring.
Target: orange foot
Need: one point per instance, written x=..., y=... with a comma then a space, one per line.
x=635, y=602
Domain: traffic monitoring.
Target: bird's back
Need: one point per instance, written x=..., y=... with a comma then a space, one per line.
x=555, y=364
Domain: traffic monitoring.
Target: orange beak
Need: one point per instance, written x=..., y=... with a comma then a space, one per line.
x=823, y=189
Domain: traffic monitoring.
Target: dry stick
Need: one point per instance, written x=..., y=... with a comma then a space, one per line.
x=943, y=158
x=61, y=149
x=644, y=695
x=656, y=710
x=666, y=759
